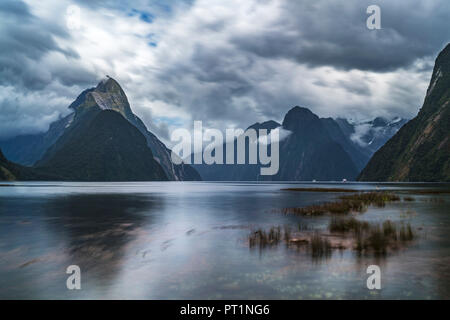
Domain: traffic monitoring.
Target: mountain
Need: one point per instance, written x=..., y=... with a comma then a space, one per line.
x=357, y=153
x=10, y=171
x=420, y=150
x=362, y=139
x=307, y=153
x=108, y=95
x=235, y=172
x=27, y=149
x=310, y=136
x=105, y=147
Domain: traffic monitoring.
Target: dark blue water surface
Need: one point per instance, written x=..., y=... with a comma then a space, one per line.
x=177, y=240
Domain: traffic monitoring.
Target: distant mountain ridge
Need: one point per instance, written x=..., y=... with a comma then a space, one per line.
x=73, y=149
x=420, y=150
x=316, y=149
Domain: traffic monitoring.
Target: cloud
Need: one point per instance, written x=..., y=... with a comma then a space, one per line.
x=280, y=136
x=227, y=63
x=334, y=33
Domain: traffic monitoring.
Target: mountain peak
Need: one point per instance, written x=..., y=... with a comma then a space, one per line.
x=109, y=84
x=107, y=95
x=300, y=109
x=297, y=117
x=299, y=112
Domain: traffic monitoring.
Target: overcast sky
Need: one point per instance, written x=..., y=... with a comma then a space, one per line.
x=229, y=63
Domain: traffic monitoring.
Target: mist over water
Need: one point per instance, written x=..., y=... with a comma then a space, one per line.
x=185, y=240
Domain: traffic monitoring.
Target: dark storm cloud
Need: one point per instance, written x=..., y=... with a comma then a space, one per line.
x=334, y=33
x=224, y=62
x=320, y=54
x=24, y=41
x=36, y=74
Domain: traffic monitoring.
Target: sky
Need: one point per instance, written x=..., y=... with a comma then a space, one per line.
x=227, y=63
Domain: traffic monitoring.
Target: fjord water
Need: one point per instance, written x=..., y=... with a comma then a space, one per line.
x=180, y=240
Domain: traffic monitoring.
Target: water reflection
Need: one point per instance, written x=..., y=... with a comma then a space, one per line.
x=190, y=240
x=96, y=229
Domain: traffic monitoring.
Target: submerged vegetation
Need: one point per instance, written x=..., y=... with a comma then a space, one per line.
x=264, y=238
x=342, y=233
x=376, y=238
x=320, y=246
x=357, y=202
x=348, y=225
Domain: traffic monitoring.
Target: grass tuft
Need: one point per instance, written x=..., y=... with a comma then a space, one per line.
x=357, y=202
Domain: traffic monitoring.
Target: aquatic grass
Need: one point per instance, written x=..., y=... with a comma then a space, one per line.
x=264, y=239
x=372, y=198
x=357, y=202
x=389, y=229
x=377, y=238
x=343, y=233
x=348, y=225
x=406, y=233
x=320, y=246
x=301, y=226
x=287, y=234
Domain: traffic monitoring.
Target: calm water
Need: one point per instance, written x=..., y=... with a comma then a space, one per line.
x=189, y=241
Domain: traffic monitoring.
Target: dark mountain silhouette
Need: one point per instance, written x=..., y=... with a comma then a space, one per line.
x=307, y=153
x=104, y=147
x=420, y=150
x=10, y=171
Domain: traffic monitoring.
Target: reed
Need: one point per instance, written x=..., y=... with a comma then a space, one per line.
x=320, y=246
x=357, y=202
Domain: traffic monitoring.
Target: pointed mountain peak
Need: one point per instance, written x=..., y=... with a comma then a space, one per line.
x=108, y=95
x=108, y=84
x=299, y=116
x=299, y=110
